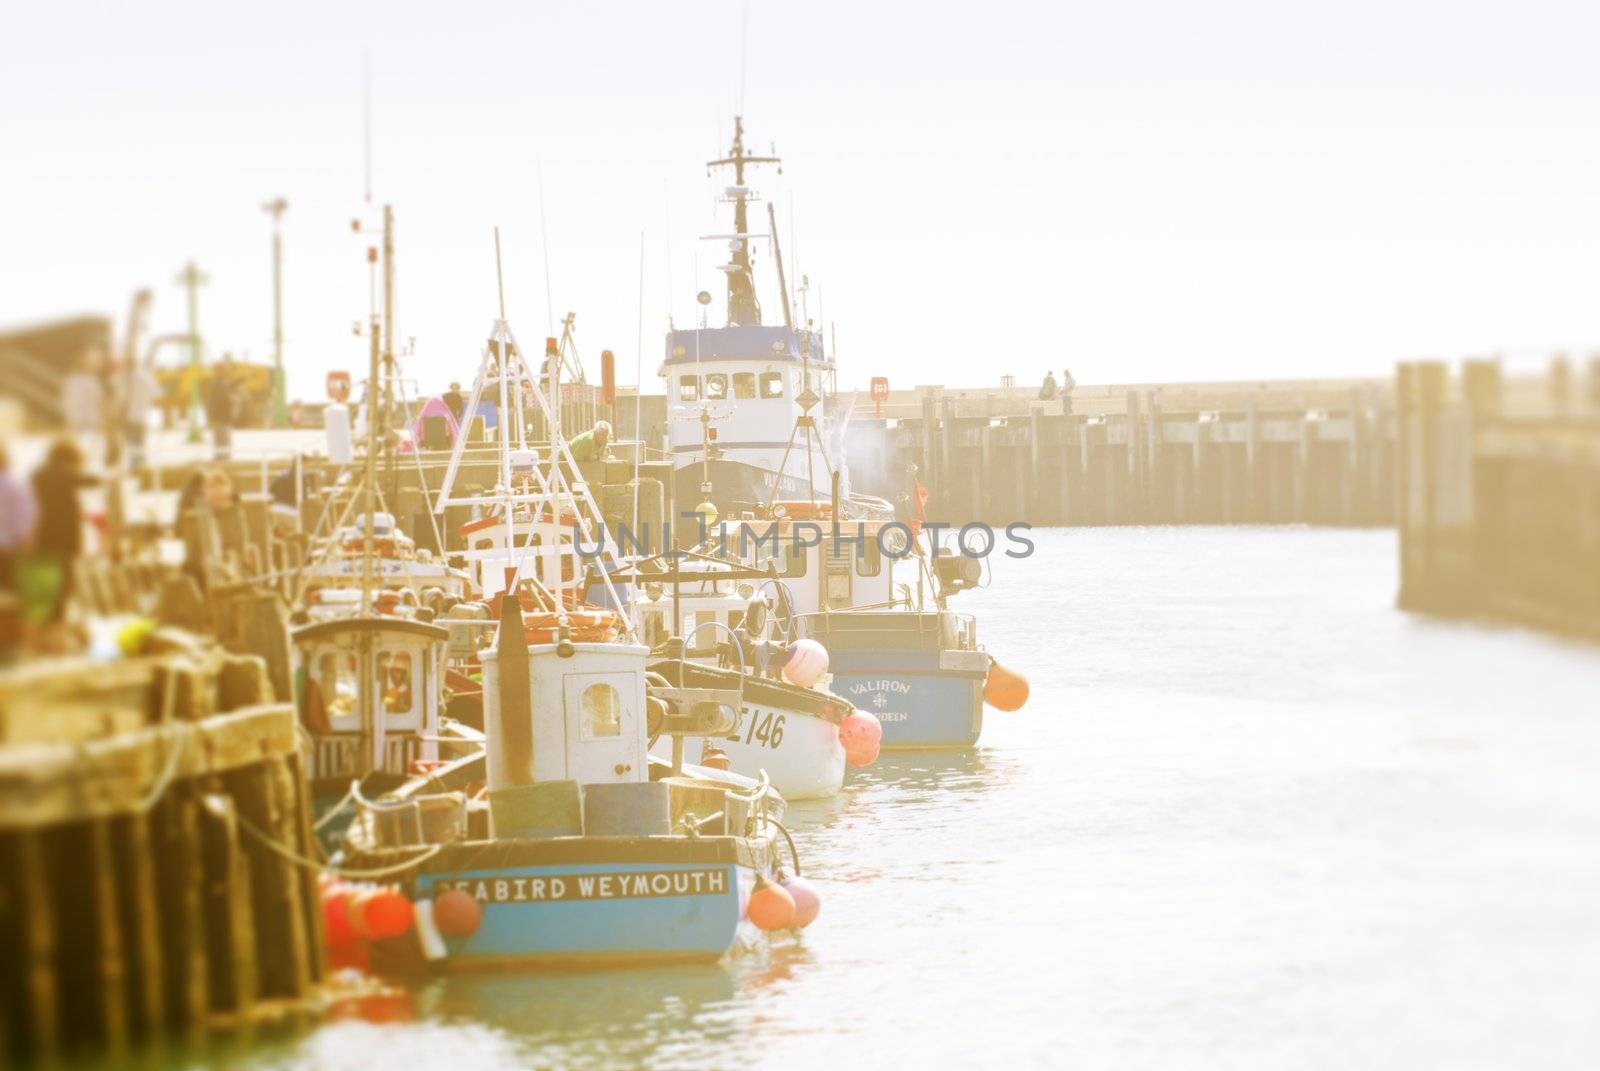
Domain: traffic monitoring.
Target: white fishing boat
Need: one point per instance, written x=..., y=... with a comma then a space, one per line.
x=753, y=411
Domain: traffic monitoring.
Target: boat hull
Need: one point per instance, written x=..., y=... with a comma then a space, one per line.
x=739, y=487
x=790, y=733
x=598, y=901
x=926, y=708
x=806, y=762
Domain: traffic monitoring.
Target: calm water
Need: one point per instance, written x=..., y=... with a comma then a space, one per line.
x=1252, y=816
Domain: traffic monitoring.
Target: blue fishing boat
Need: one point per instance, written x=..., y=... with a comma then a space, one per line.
x=563, y=843
x=920, y=671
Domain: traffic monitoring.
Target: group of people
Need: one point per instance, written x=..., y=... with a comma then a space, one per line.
x=1051, y=390
x=41, y=535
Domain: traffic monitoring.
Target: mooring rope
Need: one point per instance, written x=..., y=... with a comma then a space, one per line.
x=343, y=872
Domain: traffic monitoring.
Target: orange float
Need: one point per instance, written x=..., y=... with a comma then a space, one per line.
x=1004, y=689
x=771, y=906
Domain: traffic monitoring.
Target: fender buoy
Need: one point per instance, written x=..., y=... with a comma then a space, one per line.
x=808, y=662
x=861, y=734
x=771, y=906
x=457, y=913
x=807, y=904
x=1004, y=689
x=335, y=915
x=388, y=914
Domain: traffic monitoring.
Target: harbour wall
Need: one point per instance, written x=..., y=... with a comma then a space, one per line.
x=1499, y=493
x=143, y=901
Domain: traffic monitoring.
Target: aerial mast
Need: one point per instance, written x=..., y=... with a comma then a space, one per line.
x=743, y=308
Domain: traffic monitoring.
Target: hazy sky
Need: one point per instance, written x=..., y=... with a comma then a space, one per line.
x=1142, y=191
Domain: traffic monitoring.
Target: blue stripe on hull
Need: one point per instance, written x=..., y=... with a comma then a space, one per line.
x=596, y=913
x=927, y=708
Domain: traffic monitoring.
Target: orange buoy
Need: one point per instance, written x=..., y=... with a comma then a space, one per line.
x=716, y=759
x=1004, y=689
x=457, y=913
x=771, y=906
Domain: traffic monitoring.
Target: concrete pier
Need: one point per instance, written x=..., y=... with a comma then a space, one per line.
x=1500, y=492
x=1315, y=452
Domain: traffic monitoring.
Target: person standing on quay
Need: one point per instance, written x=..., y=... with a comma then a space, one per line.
x=1067, y=383
x=19, y=510
x=221, y=407
x=58, y=541
x=454, y=402
x=138, y=396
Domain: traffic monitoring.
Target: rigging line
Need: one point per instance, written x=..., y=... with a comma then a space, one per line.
x=366, y=124
x=544, y=240
x=744, y=49
x=416, y=456
x=638, y=410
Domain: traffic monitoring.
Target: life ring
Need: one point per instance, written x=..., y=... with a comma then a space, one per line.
x=802, y=509
x=585, y=626
x=492, y=520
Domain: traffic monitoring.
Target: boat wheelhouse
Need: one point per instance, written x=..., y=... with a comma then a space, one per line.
x=388, y=732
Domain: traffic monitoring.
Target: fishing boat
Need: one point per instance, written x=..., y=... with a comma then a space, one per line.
x=581, y=851
x=920, y=670
x=404, y=575
x=751, y=418
x=895, y=648
x=713, y=624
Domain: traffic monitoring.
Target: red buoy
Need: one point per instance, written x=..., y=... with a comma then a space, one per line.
x=388, y=913
x=1004, y=689
x=355, y=911
x=771, y=906
x=457, y=913
x=860, y=734
x=715, y=758
x=335, y=915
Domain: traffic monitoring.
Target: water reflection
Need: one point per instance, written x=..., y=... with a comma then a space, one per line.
x=576, y=1004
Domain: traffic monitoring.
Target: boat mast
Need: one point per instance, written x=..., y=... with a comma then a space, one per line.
x=743, y=308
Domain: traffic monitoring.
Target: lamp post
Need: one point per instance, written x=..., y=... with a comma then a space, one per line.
x=192, y=280
x=280, y=400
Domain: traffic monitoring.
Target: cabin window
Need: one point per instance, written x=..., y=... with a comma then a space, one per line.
x=336, y=675
x=397, y=679
x=744, y=385
x=601, y=707
x=688, y=388
x=716, y=387
x=772, y=384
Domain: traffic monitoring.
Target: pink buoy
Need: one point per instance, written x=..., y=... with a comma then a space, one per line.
x=457, y=913
x=808, y=663
x=807, y=902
